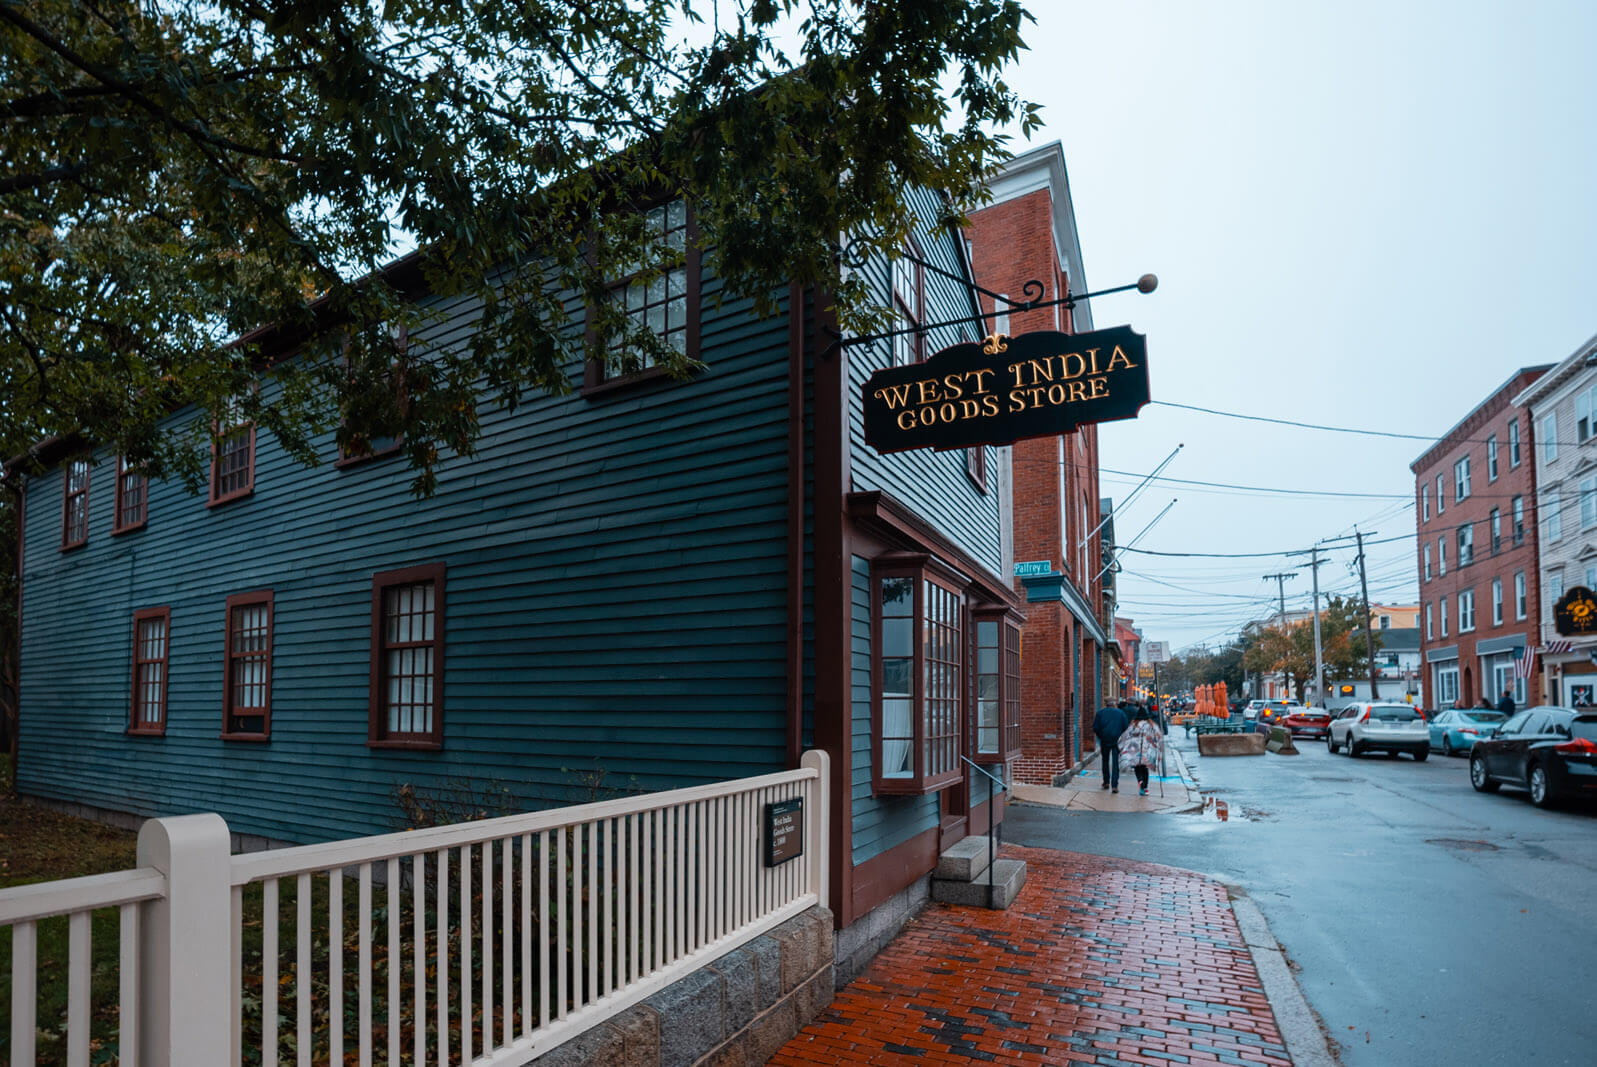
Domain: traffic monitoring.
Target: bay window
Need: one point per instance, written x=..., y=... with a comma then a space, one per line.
x=997, y=671
x=918, y=614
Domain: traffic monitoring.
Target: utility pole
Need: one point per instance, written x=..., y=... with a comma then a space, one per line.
x=1280, y=588
x=1369, y=641
x=1319, y=664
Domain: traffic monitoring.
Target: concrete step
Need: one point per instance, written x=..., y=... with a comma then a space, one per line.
x=965, y=860
x=1008, y=878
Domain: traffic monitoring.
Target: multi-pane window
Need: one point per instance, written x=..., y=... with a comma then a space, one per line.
x=1466, y=545
x=1497, y=602
x=659, y=291
x=1491, y=458
x=1446, y=685
x=909, y=308
x=1425, y=554
x=1497, y=530
x=356, y=446
x=1513, y=443
x=247, y=703
x=408, y=657
x=132, y=496
x=997, y=672
x=976, y=466
x=1466, y=611
x=1550, y=438
x=1553, y=507
x=1461, y=480
x=1517, y=510
x=150, y=653
x=918, y=681
x=75, y=504
x=1441, y=493
x=232, y=456
x=1586, y=414
x=1519, y=594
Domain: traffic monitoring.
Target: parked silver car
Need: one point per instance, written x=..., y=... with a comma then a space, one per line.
x=1393, y=728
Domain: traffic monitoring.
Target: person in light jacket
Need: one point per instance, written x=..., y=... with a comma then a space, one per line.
x=1140, y=746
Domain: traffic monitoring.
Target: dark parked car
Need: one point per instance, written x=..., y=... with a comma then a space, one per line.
x=1551, y=752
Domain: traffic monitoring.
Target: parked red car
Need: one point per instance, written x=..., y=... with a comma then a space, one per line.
x=1308, y=722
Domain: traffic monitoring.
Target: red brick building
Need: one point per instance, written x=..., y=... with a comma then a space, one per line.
x=1028, y=233
x=1475, y=503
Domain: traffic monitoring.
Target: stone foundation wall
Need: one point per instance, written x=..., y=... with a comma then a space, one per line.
x=858, y=944
x=736, y=1011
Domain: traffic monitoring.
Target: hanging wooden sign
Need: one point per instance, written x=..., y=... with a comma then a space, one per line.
x=1006, y=389
x=1575, y=614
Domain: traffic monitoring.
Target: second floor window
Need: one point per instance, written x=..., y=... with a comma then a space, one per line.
x=1518, y=513
x=909, y=308
x=1466, y=611
x=132, y=495
x=75, y=504
x=1466, y=545
x=659, y=291
x=1497, y=530
x=232, y=457
x=1519, y=594
x=1497, y=602
x=1425, y=555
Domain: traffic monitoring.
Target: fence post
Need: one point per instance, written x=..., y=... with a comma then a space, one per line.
x=818, y=835
x=185, y=970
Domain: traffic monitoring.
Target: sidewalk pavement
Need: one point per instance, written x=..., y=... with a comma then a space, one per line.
x=1084, y=790
x=1099, y=961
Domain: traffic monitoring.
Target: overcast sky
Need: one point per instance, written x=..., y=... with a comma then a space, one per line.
x=1361, y=214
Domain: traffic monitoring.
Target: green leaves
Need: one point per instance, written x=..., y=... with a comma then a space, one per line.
x=192, y=194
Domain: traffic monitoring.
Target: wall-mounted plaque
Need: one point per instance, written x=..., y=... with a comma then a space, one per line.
x=784, y=831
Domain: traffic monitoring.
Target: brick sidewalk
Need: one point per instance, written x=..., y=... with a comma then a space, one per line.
x=1100, y=961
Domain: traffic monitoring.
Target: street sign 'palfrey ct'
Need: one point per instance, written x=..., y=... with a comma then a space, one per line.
x=1006, y=389
x=1036, y=568
x=1575, y=614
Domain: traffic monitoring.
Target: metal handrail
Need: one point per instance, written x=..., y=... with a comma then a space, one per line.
x=992, y=825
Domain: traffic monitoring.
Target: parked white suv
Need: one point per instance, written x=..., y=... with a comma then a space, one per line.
x=1394, y=728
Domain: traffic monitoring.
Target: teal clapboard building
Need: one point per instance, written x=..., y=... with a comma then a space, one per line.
x=644, y=585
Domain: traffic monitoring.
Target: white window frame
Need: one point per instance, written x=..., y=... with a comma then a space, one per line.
x=1461, y=479
x=1491, y=458
x=1588, y=502
x=1466, y=611
x=1517, y=509
x=1429, y=630
x=1585, y=409
x=1497, y=602
x=1497, y=531
x=1550, y=438
x=1441, y=556
x=1555, y=517
x=1519, y=594
x=1466, y=544
x=1446, y=686
x=1441, y=607
x=1425, y=503
x=1426, y=556
x=1441, y=493
x=1513, y=443
x=1555, y=587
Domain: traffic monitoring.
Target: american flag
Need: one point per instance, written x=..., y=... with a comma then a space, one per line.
x=1524, y=662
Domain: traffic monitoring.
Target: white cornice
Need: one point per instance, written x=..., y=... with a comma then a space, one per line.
x=1542, y=387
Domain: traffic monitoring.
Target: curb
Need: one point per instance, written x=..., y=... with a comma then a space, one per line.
x=1300, y=1028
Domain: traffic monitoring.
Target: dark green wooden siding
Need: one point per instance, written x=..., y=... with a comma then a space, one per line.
x=616, y=595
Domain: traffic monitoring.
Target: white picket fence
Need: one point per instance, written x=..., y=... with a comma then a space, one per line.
x=480, y=943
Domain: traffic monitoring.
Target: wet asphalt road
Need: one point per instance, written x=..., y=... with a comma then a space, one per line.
x=1428, y=923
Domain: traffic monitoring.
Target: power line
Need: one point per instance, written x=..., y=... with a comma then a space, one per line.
x=1260, y=488
x=1432, y=438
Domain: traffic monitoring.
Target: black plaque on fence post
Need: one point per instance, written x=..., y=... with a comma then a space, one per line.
x=784, y=831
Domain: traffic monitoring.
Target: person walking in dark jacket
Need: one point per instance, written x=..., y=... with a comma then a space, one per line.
x=1505, y=703
x=1107, y=726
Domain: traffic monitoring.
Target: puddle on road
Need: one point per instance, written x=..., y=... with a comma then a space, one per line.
x=1217, y=812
